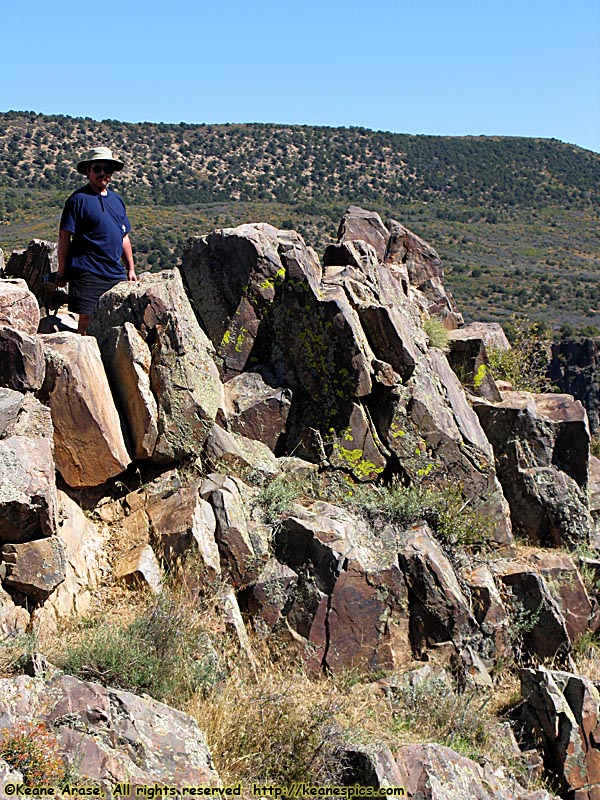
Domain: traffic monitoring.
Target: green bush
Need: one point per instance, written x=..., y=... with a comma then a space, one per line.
x=525, y=365
x=452, y=516
x=276, y=497
x=159, y=652
x=437, y=334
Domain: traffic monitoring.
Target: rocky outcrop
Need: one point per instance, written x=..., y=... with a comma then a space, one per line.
x=366, y=394
x=326, y=382
x=575, y=369
x=107, y=736
x=541, y=446
x=163, y=373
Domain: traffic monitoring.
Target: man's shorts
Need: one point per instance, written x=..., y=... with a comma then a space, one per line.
x=85, y=289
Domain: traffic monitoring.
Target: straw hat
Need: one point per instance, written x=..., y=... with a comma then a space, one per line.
x=99, y=154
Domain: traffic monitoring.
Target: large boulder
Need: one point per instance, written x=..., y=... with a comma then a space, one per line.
x=107, y=736
x=163, y=373
x=233, y=277
x=253, y=408
x=18, y=307
x=36, y=568
x=258, y=292
x=35, y=264
x=130, y=368
x=86, y=566
x=22, y=364
x=354, y=607
x=366, y=226
x=440, y=611
x=239, y=454
x=566, y=586
x=537, y=621
x=242, y=542
x=436, y=772
x=183, y=524
x=88, y=441
x=541, y=447
x=562, y=711
x=28, y=500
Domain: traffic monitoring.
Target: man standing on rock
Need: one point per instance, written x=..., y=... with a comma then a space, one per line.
x=94, y=250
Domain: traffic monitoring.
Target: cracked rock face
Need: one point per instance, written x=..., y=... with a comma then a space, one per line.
x=564, y=711
x=541, y=448
x=88, y=441
x=172, y=389
x=28, y=500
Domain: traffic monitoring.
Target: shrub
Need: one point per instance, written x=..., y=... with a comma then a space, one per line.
x=160, y=651
x=453, y=518
x=274, y=724
x=525, y=365
x=33, y=751
x=437, y=334
x=433, y=709
x=276, y=497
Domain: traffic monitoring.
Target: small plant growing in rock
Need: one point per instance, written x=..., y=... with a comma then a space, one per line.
x=277, y=497
x=33, y=751
x=437, y=334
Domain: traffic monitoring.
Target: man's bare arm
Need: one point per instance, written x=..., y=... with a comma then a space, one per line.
x=64, y=242
x=128, y=259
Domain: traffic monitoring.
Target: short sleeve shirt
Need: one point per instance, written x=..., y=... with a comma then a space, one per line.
x=98, y=224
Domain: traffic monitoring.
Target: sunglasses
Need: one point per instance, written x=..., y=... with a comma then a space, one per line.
x=98, y=168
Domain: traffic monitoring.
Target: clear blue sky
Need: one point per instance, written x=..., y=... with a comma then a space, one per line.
x=453, y=67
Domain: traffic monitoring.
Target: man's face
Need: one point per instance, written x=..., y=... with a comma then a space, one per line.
x=99, y=175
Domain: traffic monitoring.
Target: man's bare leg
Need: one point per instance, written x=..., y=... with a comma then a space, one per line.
x=82, y=325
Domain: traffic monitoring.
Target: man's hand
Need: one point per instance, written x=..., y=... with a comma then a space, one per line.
x=61, y=281
x=131, y=276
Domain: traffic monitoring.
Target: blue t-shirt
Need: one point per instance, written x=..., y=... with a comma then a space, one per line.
x=98, y=224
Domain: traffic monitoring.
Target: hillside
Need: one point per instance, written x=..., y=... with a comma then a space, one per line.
x=514, y=219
